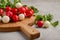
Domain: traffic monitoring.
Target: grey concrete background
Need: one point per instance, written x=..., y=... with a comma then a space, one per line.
x=44, y=6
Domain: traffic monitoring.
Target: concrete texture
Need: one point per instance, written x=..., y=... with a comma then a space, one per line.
x=44, y=6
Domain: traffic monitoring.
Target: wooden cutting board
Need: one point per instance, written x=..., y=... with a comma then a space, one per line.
x=21, y=26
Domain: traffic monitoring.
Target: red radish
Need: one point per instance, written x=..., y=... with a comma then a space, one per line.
x=14, y=10
x=26, y=8
x=1, y=12
x=15, y=18
x=8, y=8
x=29, y=13
x=9, y=13
x=22, y=10
x=40, y=23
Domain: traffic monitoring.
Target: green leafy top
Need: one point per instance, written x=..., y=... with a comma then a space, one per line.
x=39, y=17
x=49, y=17
x=16, y=1
x=5, y=3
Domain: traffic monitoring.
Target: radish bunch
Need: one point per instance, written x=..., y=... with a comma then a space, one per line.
x=14, y=14
x=44, y=21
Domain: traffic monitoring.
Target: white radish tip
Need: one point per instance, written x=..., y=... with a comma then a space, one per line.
x=21, y=16
x=18, y=5
x=5, y=19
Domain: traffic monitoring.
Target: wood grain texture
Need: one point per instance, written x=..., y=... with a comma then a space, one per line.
x=23, y=26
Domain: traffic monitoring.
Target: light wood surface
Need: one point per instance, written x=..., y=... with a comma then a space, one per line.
x=23, y=26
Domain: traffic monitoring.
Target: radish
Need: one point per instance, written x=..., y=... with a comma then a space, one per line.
x=40, y=24
x=0, y=18
x=22, y=10
x=18, y=5
x=29, y=12
x=8, y=8
x=9, y=13
x=15, y=18
x=5, y=19
x=21, y=16
x=46, y=24
x=14, y=10
x=1, y=12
